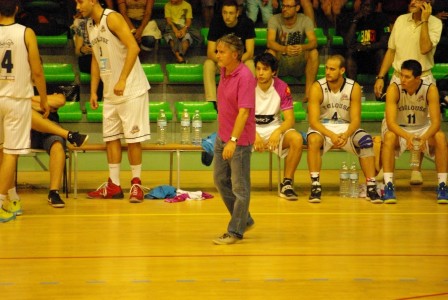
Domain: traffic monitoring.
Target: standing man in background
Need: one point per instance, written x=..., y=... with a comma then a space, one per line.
x=20, y=66
x=125, y=111
x=236, y=135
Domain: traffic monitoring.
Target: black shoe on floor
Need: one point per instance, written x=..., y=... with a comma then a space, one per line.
x=55, y=200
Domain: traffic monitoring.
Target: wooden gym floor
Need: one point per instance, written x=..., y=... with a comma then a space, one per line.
x=339, y=249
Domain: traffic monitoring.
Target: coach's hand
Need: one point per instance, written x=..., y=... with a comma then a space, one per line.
x=229, y=149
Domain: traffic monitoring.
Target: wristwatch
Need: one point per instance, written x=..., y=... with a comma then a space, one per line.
x=234, y=139
x=379, y=77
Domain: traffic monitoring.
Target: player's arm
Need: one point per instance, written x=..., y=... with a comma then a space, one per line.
x=392, y=97
x=355, y=111
x=37, y=71
x=55, y=101
x=94, y=82
x=434, y=113
x=118, y=26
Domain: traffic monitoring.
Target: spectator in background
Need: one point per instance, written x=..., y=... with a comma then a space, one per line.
x=286, y=41
x=365, y=35
x=211, y=8
x=266, y=7
x=393, y=8
x=227, y=22
x=440, y=10
x=178, y=15
x=137, y=14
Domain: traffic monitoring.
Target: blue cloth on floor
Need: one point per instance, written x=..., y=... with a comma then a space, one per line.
x=161, y=192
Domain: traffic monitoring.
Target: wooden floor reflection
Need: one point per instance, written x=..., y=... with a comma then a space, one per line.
x=339, y=249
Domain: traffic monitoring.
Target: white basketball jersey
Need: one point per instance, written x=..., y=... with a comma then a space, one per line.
x=15, y=71
x=413, y=109
x=336, y=106
x=110, y=54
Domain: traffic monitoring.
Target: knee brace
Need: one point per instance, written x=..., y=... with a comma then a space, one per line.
x=364, y=142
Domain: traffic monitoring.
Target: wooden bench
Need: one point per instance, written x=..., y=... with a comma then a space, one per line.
x=170, y=148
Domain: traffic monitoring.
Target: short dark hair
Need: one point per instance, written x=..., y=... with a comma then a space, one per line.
x=412, y=65
x=229, y=3
x=268, y=60
x=8, y=7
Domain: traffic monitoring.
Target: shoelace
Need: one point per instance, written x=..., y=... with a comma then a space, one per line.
x=103, y=189
x=134, y=190
x=286, y=187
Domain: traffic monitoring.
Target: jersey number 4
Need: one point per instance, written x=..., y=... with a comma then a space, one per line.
x=7, y=61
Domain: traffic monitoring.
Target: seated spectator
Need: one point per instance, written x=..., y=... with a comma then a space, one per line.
x=365, y=35
x=440, y=10
x=178, y=15
x=210, y=8
x=227, y=22
x=137, y=14
x=413, y=111
x=286, y=41
x=266, y=7
x=273, y=97
x=330, y=8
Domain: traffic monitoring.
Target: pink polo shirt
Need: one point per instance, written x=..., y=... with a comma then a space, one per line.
x=236, y=91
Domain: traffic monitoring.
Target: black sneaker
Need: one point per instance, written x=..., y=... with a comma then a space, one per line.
x=316, y=192
x=77, y=139
x=55, y=200
x=287, y=192
x=372, y=195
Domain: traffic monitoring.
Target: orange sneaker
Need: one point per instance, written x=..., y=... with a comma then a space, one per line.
x=107, y=190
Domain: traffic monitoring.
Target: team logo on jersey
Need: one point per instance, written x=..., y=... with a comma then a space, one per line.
x=135, y=129
x=6, y=44
x=103, y=29
x=420, y=98
x=288, y=91
x=344, y=97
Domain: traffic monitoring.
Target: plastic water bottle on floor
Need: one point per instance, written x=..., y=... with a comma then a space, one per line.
x=161, y=128
x=354, y=176
x=415, y=153
x=344, y=180
x=197, y=128
x=185, y=128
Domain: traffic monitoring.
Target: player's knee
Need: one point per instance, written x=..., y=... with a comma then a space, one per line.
x=314, y=140
x=366, y=152
x=365, y=141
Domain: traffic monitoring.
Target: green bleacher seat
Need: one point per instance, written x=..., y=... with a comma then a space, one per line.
x=155, y=107
x=154, y=73
x=440, y=71
x=372, y=110
x=52, y=40
x=70, y=112
x=261, y=37
x=184, y=73
x=299, y=112
x=206, y=109
x=335, y=40
x=160, y=4
x=204, y=34
x=84, y=78
x=94, y=115
x=58, y=73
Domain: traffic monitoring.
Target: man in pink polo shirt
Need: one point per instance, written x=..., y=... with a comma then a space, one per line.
x=236, y=134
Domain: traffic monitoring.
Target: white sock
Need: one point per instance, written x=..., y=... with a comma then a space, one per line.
x=441, y=177
x=114, y=173
x=12, y=194
x=136, y=171
x=388, y=177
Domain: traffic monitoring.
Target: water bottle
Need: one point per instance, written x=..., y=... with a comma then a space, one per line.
x=161, y=128
x=344, y=180
x=415, y=153
x=354, y=186
x=185, y=128
x=196, y=122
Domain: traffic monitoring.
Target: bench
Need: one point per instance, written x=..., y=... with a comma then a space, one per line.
x=372, y=110
x=58, y=73
x=70, y=112
x=170, y=148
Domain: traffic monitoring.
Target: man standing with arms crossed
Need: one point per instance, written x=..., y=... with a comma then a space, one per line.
x=236, y=135
x=414, y=36
x=20, y=66
x=125, y=111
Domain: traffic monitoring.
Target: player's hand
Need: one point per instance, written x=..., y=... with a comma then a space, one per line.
x=274, y=140
x=119, y=87
x=94, y=101
x=378, y=87
x=228, y=151
x=258, y=144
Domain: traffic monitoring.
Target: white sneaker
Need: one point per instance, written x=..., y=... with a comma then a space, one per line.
x=416, y=178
